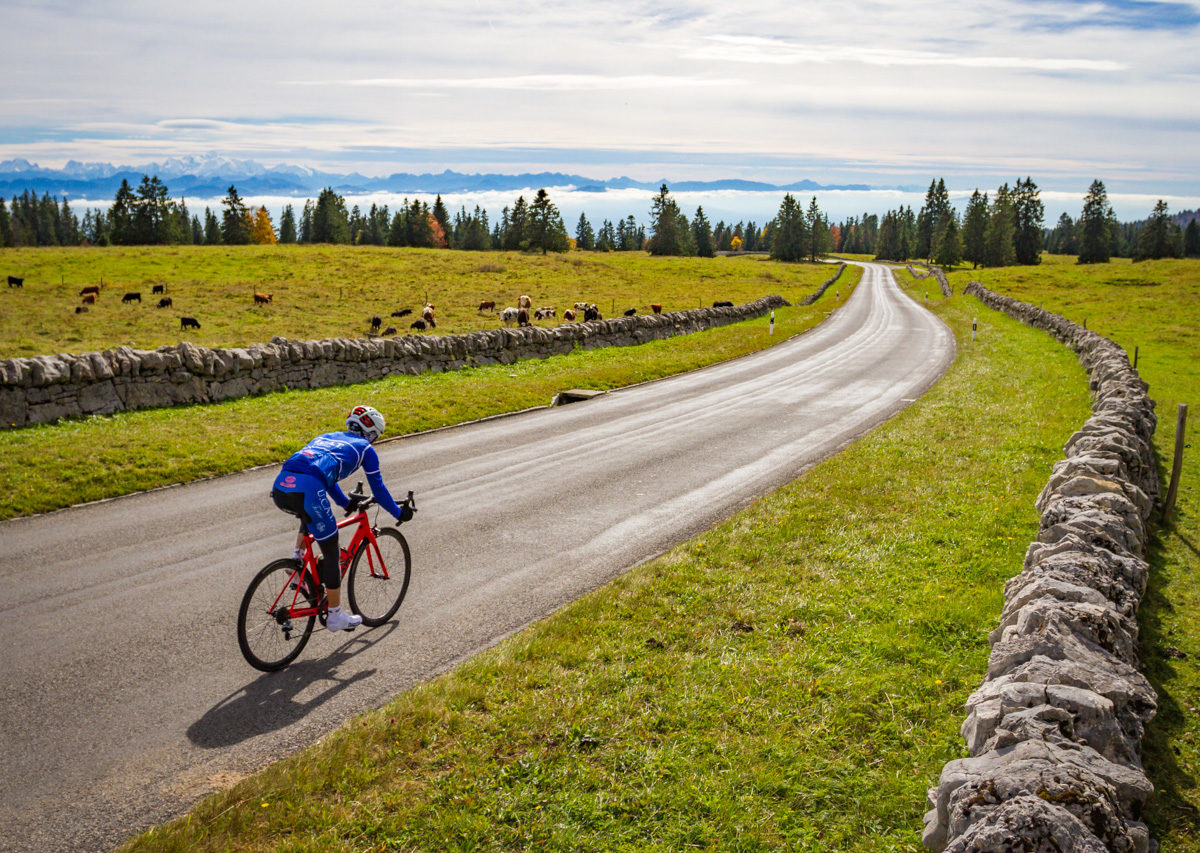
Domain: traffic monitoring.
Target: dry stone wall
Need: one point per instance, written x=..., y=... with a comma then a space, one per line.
x=820, y=291
x=1054, y=732
x=43, y=389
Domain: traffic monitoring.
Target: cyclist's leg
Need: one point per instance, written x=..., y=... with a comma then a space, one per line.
x=323, y=527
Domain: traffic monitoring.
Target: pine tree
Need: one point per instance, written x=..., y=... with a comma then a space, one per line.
x=440, y=214
x=974, y=231
x=5, y=226
x=606, y=237
x=1191, y=237
x=702, y=234
x=1062, y=240
x=1095, y=226
x=789, y=240
x=197, y=231
x=818, y=231
x=887, y=243
x=212, y=228
x=664, y=219
x=1000, y=251
x=1028, y=213
x=1157, y=238
x=585, y=237
x=949, y=251
x=287, y=225
x=330, y=221
x=546, y=230
x=514, y=230
x=120, y=216
x=235, y=220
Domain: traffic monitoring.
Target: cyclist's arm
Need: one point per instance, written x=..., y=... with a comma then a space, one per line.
x=338, y=496
x=382, y=496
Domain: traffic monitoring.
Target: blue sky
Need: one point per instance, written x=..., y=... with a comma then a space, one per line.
x=874, y=92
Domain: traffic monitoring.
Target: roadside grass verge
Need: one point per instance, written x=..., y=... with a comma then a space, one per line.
x=792, y=679
x=331, y=291
x=56, y=465
x=1154, y=306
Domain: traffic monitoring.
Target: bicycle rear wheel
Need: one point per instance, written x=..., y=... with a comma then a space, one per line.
x=378, y=579
x=269, y=638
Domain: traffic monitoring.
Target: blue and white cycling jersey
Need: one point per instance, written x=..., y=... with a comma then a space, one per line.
x=323, y=462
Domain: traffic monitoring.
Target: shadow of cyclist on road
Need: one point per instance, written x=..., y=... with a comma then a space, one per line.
x=270, y=701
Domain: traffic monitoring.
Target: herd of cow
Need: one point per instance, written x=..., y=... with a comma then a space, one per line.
x=519, y=315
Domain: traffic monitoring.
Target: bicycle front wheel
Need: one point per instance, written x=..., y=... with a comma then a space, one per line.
x=269, y=637
x=378, y=577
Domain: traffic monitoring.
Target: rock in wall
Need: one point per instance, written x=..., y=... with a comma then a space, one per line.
x=1054, y=732
x=45, y=388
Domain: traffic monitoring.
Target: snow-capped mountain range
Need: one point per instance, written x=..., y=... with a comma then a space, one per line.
x=211, y=175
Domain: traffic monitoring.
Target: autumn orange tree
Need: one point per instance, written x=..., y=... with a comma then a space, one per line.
x=262, y=232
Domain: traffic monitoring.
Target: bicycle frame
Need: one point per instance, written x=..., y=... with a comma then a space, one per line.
x=364, y=532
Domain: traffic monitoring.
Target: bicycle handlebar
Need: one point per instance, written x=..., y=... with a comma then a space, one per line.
x=360, y=501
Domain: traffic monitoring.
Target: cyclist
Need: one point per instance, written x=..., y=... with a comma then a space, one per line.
x=309, y=480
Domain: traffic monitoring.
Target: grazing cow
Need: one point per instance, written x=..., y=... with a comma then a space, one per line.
x=165, y=302
x=403, y=312
x=723, y=304
x=390, y=330
x=13, y=281
x=591, y=314
x=89, y=299
x=629, y=312
x=91, y=288
x=376, y=322
x=523, y=317
x=158, y=288
x=81, y=309
x=427, y=315
x=262, y=298
x=525, y=302
x=569, y=315
x=509, y=316
x=487, y=305
x=656, y=307
x=544, y=313
x=188, y=323
x=581, y=306
x=419, y=325
x=132, y=296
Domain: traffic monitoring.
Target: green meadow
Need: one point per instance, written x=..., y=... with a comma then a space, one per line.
x=130, y=451
x=331, y=291
x=792, y=679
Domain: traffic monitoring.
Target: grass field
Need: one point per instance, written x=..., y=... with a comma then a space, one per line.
x=1155, y=307
x=331, y=291
x=44, y=469
x=793, y=679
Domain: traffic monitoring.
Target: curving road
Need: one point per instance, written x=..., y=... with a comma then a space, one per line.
x=126, y=698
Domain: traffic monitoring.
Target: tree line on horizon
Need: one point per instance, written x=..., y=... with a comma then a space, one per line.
x=1005, y=228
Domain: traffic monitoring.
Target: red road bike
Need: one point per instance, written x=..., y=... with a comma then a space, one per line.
x=285, y=598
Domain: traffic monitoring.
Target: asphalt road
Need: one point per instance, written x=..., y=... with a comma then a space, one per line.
x=125, y=696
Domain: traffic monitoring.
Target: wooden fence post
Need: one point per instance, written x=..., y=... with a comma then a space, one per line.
x=1177, y=465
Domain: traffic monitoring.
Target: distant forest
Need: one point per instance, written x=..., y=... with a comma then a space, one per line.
x=1003, y=229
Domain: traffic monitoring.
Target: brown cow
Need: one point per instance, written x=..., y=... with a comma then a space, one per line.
x=91, y=288
x=569, y=315
x=427, y=316
x=165, y=302
x=89, y=299
x=522, y=316
x=524, y=302
x=656, y=307
x=262, y=298
x=487, y=305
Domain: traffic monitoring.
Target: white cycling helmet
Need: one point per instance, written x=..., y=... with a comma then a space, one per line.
x=365, y=421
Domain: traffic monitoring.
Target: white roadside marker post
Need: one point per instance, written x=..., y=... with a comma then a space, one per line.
x=772, y=329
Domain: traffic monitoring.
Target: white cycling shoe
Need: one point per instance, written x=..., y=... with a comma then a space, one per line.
x=340, y=620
